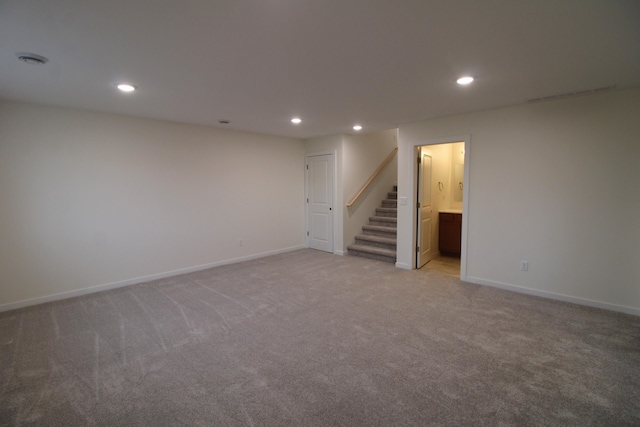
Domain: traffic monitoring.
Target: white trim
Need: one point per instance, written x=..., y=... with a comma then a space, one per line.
x=465, y=197
x=555, y=296
x=137, y=280
x=403, y=266
x=339, y=252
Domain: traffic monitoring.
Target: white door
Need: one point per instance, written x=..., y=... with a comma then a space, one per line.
x=424, y=250
x=319, y=174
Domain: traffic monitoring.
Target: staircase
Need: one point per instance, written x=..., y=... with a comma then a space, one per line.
x=378, y=239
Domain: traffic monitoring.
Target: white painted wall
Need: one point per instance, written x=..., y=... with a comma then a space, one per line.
x=554, y=183
x=362, y=155
x=89, y=200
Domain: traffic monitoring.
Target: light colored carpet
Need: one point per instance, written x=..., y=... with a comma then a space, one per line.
x=308, y=338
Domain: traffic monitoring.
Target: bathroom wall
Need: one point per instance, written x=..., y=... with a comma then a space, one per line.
x=456, y=175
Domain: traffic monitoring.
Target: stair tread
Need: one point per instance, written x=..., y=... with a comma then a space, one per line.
x=372, y=250
x=379, y=229
x=378, y=239
x=386, y=209
x=383, y=219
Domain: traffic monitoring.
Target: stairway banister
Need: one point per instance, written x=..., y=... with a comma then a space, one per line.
x=373, y=177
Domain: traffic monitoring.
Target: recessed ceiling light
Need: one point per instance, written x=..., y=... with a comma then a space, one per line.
x=126, y=87
x=296, y=120
x=357, y=127
x=31, y=58
x=465, y=80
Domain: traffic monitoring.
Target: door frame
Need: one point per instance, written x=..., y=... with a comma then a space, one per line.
x=335, y=229
x=465, y=196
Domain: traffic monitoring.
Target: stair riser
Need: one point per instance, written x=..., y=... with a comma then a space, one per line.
x=382, y=223
x=389, y=246
x=372, y=256
x=390, y=204
x=387, y=214
x=380, y=233
x=392, y=195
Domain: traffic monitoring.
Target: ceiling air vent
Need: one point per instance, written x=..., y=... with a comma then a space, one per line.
x=32, y=58
x=572, y=94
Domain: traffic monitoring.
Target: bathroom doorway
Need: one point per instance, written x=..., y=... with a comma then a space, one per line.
x=439, y=206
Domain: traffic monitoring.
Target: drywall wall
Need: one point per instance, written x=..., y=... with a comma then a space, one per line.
x=553, y=183
x=91, y=200
x=362, y=156
x=324, y=145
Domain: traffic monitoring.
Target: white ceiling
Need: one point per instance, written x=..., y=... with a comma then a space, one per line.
x=257, y=63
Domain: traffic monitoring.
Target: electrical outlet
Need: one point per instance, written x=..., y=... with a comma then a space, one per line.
x=240, y=242
x=524, y=265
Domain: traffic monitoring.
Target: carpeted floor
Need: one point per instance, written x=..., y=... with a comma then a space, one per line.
x=308, y=338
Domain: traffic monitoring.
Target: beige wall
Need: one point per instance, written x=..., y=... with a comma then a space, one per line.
x=92, y=200
x=554, y=183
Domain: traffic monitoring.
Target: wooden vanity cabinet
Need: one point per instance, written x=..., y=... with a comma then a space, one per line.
x=450, y=233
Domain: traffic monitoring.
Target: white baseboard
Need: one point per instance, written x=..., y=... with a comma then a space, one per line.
x=403, y=265
x=142, y=279
x=555, y=296
x=339, y=252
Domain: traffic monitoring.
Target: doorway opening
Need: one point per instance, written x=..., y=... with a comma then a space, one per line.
x=439, y=200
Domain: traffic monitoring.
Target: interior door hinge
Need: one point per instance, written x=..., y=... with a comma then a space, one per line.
x=307, y=167
x=307, y=233
x=419, y=160
x=307, y=200
x=418, y=204
x=417, y=248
